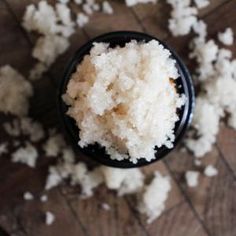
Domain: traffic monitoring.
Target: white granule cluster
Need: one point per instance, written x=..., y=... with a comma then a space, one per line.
x=226, y=37
x=32, y=129
x=106, y=206
x=3, y=148
x=131, y=3
x=210, y=171
x=191, y=178
x=115, y=105
x=183, y=17
x=28, y=196
x=13, y=129
x=54, y=145
x=216, y=75
x=49, y=218
x=107, y=8
x=82, y=19
x=154, y=197
x=201, y=3
x=15, y=92
x=44, y=198
x=55, y=26
x=27, y=155
x=124, y=181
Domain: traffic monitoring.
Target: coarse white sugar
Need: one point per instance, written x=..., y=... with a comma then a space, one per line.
x=49, y=218
x=210, y=171
x=28, y=196
x=64, y=14
x=115, y=105
x=37, y=71
x=106, y=206
x=78, y=1
x=68, y=155
x=191, y=178
x=226, y=37
x=15, y=92
x=53, y=179
x=87, y=9
x=82, y=19
x=79, y=171
x=154, y=197
x=206, y=127
x=63, y=1
x=54, y=145
x=197, y=162
x=13, y=129
x=27, y=155
x=107, y=8
x=201, y=3
x=49, y=47
x=42, y=19
x=131, y=3
x=125, y=181
x=3, y=148
x=183, y=17
x=32, y=128
x=44, y=198
x=90, y=181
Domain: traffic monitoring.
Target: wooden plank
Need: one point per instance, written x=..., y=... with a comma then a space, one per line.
x=179, y=221
x=118, y=221
x=213, y=197
x=122, y=19
x=227, y=144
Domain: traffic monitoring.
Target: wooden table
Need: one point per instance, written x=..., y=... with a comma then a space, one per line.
x=209, y=209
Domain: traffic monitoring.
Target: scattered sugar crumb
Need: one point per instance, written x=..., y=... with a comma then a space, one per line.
x=131, y=3
x=210, y=171
x=68, y=155
x=226, y=37
x=32, y=128
x=53, y=178
x=13, y=129
x=183, y=17
x=3, y=148
x=197, y=162
x=125, y=181
x=44, y=198
x=49, y=47
x=201, y=3
x=82, y=19
x=107, y=8
x=192, y=178
x=27, y=155
x=16, y=89
x=154, y=197
x=49, y=218
x=78, y=1
x=106, y=206
x=37, y=71
x=54, y=145
x=28, y=196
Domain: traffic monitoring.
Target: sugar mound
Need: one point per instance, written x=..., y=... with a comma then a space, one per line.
x=82, y=19
x=154, y=197
x=114, y=106
x=226, y=37
x=15, y=92
x=192, y=178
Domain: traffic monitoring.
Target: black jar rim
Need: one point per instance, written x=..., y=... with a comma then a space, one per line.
x=183, y=85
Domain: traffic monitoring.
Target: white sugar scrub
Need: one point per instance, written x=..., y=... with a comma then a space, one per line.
x=124, y=99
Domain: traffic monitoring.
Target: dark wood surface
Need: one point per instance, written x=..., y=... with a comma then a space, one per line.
x=207, y=210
